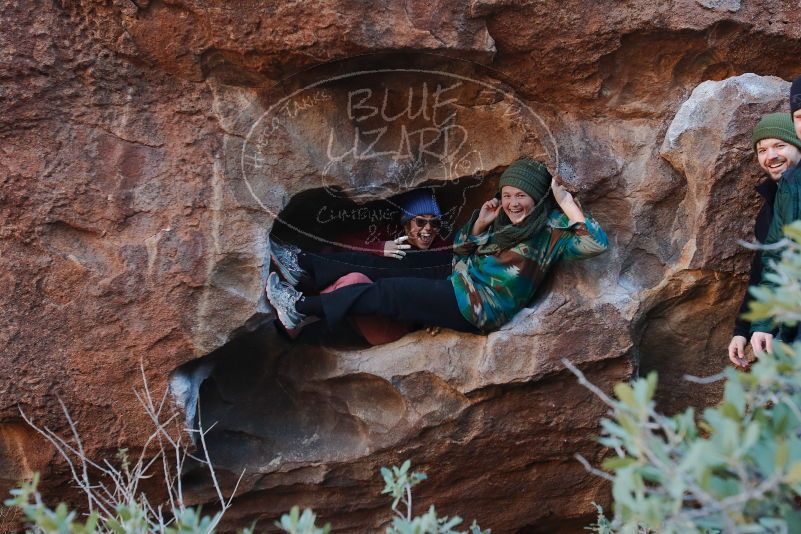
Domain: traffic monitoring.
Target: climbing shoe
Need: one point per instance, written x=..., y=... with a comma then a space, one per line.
x=283, y=297
x=285, y=258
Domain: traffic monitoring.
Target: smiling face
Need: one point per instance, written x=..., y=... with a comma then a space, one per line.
x=516, y=203
x=776, y=156
x=422, y=230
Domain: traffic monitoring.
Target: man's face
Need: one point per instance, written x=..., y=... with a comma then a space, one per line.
x=422, y=230
x=797, y=122
x=776, y=156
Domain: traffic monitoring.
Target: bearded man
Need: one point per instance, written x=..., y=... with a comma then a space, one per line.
x=778, y=149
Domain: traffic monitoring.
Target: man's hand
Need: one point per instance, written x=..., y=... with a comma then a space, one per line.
x=737, y=351
x=761, y=342
x=489, y=212
x=396, y=248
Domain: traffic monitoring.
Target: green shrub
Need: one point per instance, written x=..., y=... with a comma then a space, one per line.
x=398, y=484
x=128, y=517
x=735, y=468
x=132, y=517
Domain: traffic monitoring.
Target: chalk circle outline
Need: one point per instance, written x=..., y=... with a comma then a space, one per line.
x=460, y=77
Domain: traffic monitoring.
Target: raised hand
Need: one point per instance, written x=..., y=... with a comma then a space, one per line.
x=396, y=248
x=489, y=212
x=559, y=191
x=565, y=200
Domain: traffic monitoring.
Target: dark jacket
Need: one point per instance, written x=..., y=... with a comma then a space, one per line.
x=786, y=209
x=767, y=190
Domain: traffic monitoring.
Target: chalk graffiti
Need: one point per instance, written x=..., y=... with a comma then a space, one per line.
x=374, y=133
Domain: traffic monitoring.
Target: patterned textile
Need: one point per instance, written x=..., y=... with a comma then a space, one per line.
x=491, y=289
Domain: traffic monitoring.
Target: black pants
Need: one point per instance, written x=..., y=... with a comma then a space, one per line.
x=325, y=269
x=412, y=300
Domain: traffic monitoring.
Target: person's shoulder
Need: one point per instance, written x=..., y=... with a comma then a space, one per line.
x=792, y=177
x=767, y=188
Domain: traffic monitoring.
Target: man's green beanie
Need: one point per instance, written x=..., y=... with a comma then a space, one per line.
x=775, y=126
x=530, y=176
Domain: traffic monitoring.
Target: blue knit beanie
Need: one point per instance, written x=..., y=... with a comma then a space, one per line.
x=417, y=202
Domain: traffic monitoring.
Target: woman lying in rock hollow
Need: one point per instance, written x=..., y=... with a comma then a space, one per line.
x=419, y=252
x=500, y=258
x=419, y=248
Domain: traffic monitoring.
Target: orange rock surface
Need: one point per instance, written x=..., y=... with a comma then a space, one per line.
x=141, y=173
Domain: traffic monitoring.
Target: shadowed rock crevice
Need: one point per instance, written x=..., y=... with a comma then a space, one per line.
x=305, y=439
x=318, y=219
x=23, y=452
x=675, y=322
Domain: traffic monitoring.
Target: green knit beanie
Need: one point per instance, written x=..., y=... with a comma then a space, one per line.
x=530, y=176
x=775, y=126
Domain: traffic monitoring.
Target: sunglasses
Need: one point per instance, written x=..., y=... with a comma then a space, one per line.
x=421, y=222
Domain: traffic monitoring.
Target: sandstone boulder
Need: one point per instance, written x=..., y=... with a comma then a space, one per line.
x=140, y=178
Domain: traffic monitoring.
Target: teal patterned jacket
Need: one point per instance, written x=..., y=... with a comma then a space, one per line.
x=491, y=289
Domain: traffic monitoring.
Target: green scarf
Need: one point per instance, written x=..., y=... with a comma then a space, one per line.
x=505, y=235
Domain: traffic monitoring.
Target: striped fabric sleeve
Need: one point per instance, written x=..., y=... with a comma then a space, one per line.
x=587, y=239
x=465, y=244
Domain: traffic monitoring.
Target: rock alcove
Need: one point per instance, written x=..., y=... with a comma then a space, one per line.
x=276, y=407
x=305, y=415
x=313, y=423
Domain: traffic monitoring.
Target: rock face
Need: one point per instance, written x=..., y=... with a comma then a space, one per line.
x=147, y=149
x=705, y=143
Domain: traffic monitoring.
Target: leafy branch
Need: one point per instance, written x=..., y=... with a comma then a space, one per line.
x=734, y=468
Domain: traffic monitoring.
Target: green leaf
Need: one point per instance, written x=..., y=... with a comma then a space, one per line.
x=625, y=394
x=782, y=454
x=794, y=474
x=616, y=462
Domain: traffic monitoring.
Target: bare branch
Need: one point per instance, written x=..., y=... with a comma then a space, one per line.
x=591, y=469
x=408, y=502
x=587, y=384
x=706, y=379
x=202, y=435
x=760, y=246
x=62, y=447
x=236, y=487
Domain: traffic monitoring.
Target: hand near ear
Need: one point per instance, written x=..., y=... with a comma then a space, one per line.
x=489, y=212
